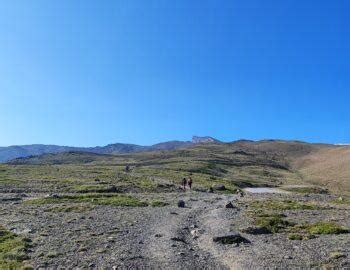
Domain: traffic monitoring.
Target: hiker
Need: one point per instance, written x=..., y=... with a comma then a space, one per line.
x=190, y=183
x=184, y=183
x=127, y=168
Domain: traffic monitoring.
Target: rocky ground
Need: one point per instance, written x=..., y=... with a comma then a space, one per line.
x=70, y=235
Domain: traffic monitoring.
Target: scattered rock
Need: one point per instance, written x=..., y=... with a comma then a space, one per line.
x=112, y=189
x=195, y=234
x=229, y=205
x=54, y=195
x=230, y=239
x=11, y=199
x=82, y=249
x=101, y=250
x=178, y=239
x=181, y=203
x=219, y=187
x=199, y=189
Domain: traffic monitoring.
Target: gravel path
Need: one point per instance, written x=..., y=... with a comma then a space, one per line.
x=171, y=237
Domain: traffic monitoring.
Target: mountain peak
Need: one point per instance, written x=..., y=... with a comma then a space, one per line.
x=204, y=139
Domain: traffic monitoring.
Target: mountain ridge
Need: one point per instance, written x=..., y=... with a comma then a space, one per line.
x=20, y=151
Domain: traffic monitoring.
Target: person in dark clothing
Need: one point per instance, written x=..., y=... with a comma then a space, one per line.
x=190, y=183
x=127, y=168
x=184, y=183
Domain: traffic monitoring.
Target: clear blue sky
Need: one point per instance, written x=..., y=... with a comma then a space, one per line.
x=95, y=72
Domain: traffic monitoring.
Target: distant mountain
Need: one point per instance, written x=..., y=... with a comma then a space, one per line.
x=172, y=145
x=116, y=148
x=21, y=151
x=205, y=139
x=265, y=162
x=11, y=152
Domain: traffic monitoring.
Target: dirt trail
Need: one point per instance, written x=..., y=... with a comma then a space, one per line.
x=184, y=237
x=170, y=237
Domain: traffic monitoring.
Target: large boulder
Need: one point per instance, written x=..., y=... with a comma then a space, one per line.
x=230, y=239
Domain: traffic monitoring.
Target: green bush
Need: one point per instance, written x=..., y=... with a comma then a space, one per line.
x=13, y=249
x=273, y=224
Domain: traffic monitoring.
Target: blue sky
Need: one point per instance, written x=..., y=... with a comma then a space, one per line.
x=95, y=72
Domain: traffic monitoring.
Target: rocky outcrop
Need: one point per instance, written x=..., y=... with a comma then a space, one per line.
x=230, y=239
x=205, y=139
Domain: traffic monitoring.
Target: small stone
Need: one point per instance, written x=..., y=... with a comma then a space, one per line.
x=229, y=205
x=177, y=239
x=195, y=234
x=27, y=267
x=181, y=203
x=82, y=249
x=111, y=239
x=101, y=250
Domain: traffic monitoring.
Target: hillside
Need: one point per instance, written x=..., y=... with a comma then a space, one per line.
x=242, y=163
x=328, y=166
x=86, y=210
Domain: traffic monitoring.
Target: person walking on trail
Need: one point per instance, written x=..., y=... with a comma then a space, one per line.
x=184, y=183
x=190, y=183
